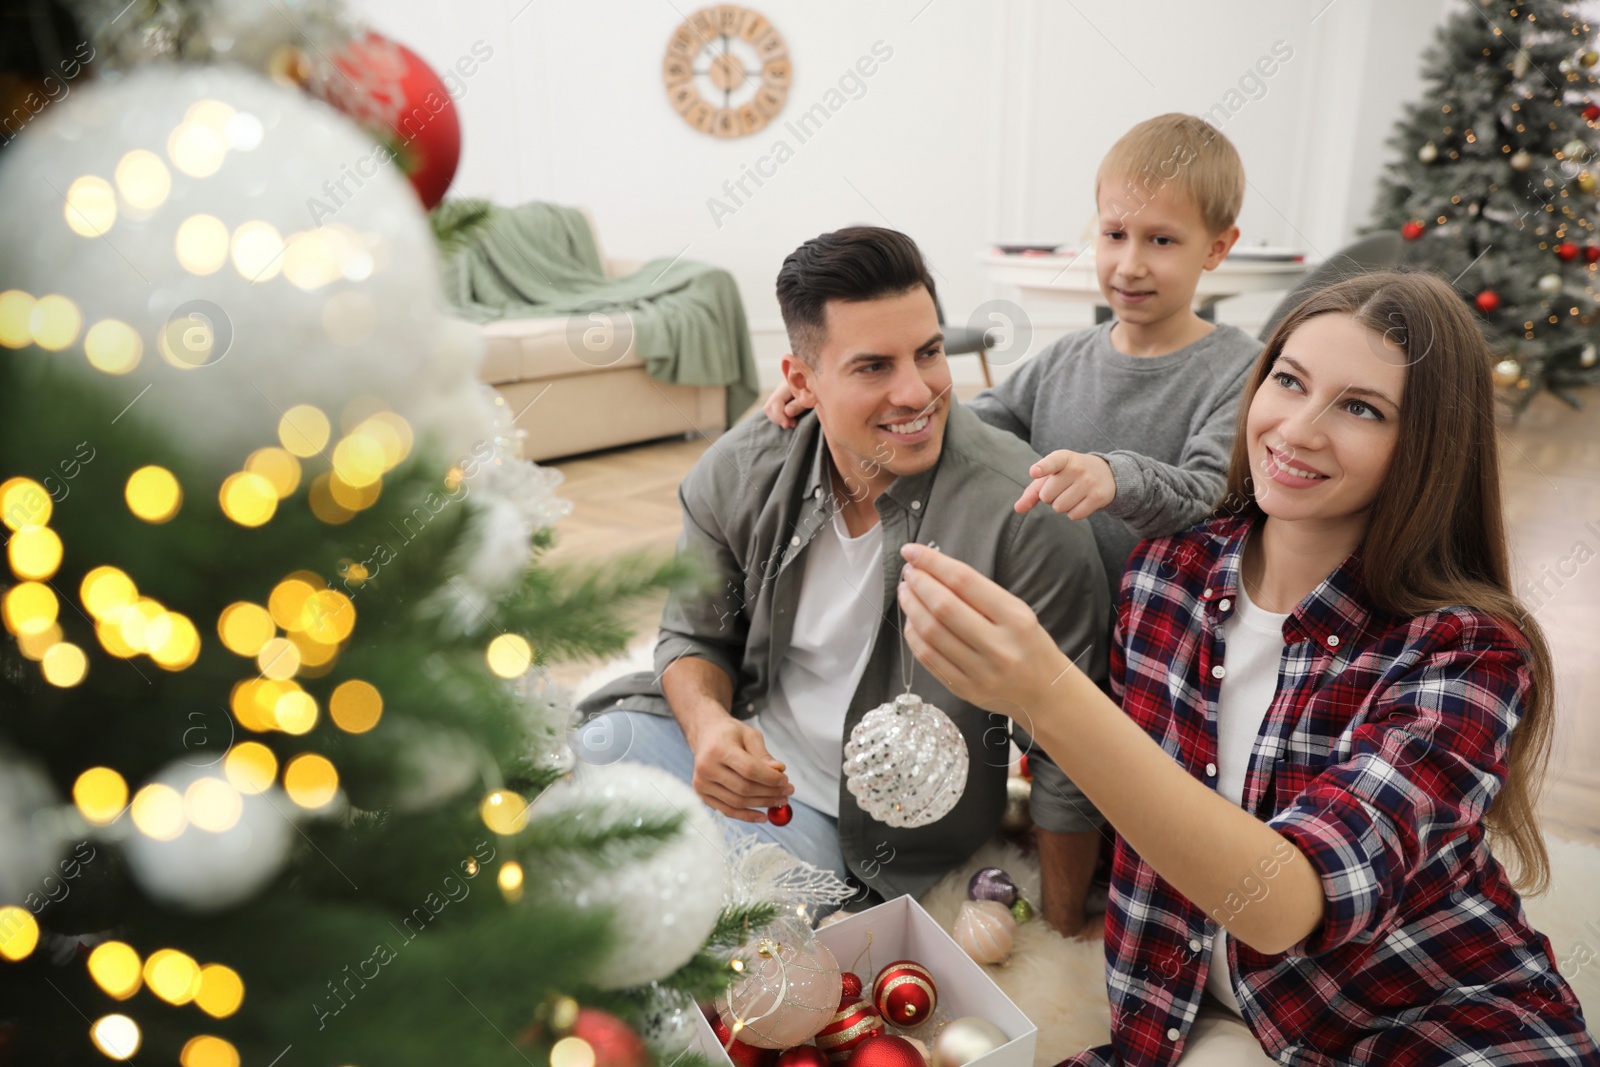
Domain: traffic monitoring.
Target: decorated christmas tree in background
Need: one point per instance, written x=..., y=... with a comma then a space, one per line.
x=279, y=768
x=1496, y=185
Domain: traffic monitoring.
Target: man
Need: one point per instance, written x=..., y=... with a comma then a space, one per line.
x=759, y=683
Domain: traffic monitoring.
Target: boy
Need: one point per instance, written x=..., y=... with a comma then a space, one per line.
x=1135, y=417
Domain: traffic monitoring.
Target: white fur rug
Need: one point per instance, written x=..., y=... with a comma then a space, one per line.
x=1060, y=983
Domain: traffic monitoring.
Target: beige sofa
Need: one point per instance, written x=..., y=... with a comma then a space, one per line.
x=579, y=386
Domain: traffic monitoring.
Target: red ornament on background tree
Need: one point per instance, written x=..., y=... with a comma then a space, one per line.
x=1566, y=251
x=803, y=1056
x=1592, y=112
x=1591, y=254
x=741, y=1054
x=393, y=93
x=854, y=1022
x=1411, y=230
x=905, y=993
x=886, y=1051
x=1487, y=301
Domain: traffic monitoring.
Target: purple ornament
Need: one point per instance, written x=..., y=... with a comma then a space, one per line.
x=992, y=883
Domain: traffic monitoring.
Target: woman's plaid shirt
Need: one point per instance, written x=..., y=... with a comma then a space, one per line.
x=1383, y=746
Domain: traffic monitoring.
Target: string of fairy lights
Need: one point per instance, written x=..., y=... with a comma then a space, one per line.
x=291, y=636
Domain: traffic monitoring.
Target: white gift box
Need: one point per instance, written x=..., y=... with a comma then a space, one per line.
x=901, y=930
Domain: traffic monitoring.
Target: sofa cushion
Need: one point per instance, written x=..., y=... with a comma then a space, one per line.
x=533, y=349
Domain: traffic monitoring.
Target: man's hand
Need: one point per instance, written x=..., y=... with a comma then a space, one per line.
x=734, y=773
x=1073, y=483
x=784, y=408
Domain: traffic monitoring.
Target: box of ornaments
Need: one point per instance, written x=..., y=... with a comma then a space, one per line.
x=886, y=987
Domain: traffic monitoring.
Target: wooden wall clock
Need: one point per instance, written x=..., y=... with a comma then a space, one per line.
x=726, y=71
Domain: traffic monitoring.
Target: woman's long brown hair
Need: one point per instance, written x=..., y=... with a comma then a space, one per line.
x=1436, y=534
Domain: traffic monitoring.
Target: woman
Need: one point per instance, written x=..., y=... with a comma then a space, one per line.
x=1328, y=695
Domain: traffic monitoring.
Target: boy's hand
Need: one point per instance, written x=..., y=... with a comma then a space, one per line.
x=783, y=408
x=1074, y=483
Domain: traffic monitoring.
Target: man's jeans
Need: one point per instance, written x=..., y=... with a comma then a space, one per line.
x=656, y=740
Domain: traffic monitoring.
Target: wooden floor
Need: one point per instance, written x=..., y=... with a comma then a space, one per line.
x=626, y=500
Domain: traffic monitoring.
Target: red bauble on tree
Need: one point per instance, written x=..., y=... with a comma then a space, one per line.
x=1592, y=112
x=1411, y=230
x=1592, y=253
x=905, y=993
x=854, y=1022
x=803, y=1056
x=388, y=88
x=1566, y=251
x=1487, y=301
x=609, y=1042
x=741, y=1054
x=886, y=1051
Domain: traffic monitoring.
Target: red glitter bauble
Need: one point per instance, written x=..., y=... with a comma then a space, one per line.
x=886, y=1051
x=780, y=815
x=741, y=1054
x=854, y=1022
x=1567, y=251
x=803, y=1056
x=1411, y=230
x=905, y=993
x=851, y=984
x=1487, y=301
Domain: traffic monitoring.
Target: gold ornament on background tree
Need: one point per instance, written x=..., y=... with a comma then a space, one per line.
x=1428, y=152
x=1586, y=181
x=1521, y=160
x=1589, y=59
x=1507, y=371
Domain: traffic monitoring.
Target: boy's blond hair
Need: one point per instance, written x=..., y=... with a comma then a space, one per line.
x=1185, y=152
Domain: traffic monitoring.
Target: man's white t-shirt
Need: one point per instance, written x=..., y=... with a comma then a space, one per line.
x=835, y=626
x=1252, y=649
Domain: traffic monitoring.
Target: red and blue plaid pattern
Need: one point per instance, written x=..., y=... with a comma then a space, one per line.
x=1383, y=746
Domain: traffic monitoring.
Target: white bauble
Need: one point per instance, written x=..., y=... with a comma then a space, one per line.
x=244, y=234
x=663, y=907
x=30, y=839
x=1550, y=284
x=1428, y=152
x=906, y=763
x=210, y=869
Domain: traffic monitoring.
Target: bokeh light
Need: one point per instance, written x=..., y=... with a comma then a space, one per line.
x=19, y=933
x=91, y=207
x=221, y=991
x=355, y=706
x=212, y=804
x=35, y=552
x=504, y=811
x=158, y=811
x=248, y=498
x=117, y=1036
x=172, y=975
x=143, y=180
x=310, y=780
x=29, y=608
x=64, y=665
x=100, y=794
x=251, y=767
x=54, y=322
x=202, y=244
x=244, y=627
x=206, y=1050
x=510, y=655
x=304, y=430
x=153, y=494
x=112, y=346
x=23, y=502
x=116, y=969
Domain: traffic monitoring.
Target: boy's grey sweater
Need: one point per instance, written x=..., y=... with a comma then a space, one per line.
x=1165, y=424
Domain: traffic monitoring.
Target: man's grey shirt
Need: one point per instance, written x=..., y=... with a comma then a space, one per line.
x=751, y=506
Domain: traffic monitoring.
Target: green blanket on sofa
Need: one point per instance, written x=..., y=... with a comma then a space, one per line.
x=541, y=260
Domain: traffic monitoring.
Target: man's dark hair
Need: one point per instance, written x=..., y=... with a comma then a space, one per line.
x=855, y=263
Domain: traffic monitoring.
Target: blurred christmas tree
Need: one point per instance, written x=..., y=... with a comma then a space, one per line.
x=278, y=766
x=1496, y=185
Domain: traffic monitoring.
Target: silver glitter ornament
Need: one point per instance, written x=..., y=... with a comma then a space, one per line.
x=906, y=763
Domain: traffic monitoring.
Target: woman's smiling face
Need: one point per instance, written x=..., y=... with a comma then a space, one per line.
x=1322, y=426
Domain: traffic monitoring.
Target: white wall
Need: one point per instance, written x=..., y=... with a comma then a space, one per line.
x=986, y=123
